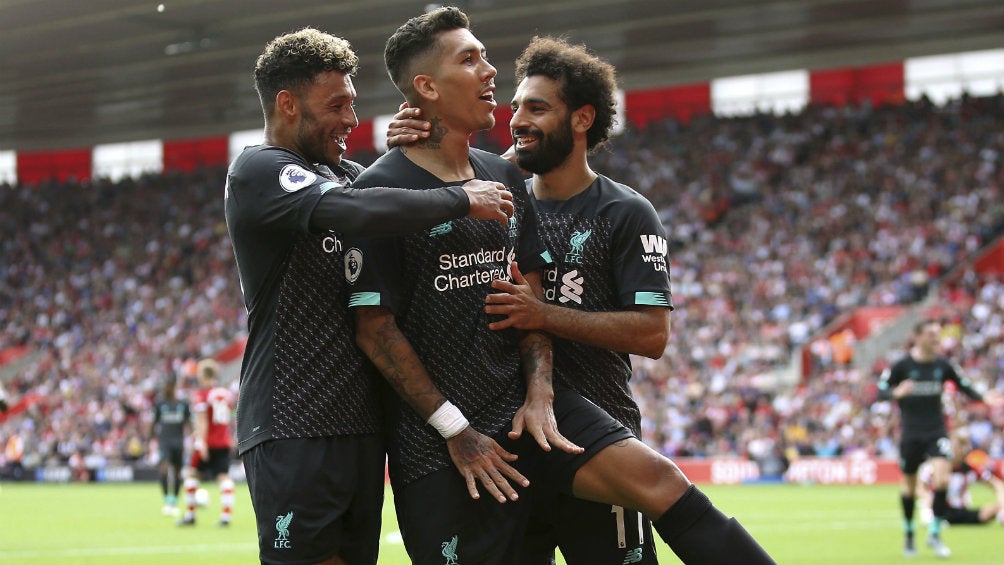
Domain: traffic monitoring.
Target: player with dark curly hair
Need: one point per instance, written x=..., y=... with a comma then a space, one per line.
x=606, y=296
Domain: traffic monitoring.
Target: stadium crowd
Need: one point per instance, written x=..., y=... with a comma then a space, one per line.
x=114, y=286
x=778, y=225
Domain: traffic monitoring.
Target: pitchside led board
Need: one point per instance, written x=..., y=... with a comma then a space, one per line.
x=941, y=78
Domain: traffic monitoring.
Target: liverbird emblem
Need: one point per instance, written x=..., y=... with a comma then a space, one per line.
x=577, y=240
x=282, y=526
x=450, y=551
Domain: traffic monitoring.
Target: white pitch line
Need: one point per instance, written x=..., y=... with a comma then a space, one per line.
x=145, y=550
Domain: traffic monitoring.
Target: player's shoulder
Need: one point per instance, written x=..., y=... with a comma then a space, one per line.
x=623, y=204
x=261, y=166
x=622, y=194
x=498, y=168
x=351, y=167
x=258, y=159
x=385, y=171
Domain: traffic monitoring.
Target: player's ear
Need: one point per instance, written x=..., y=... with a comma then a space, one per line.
x=285, y=104
x=425, y=87
x=583, y=118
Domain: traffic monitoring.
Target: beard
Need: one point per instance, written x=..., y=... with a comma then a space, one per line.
x=312, y=140
x=552, y=149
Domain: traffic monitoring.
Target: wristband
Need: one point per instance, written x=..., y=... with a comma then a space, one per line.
x=448, y=420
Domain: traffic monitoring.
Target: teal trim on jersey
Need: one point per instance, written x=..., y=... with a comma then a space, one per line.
x=328, y=186
x=651, y=299
x=364, y=299
x=546, y=256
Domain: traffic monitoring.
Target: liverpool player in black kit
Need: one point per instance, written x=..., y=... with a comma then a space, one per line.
x=916, y=383
x=308, y=419
x=172, y=417
x=615, y=468
x=606, y=296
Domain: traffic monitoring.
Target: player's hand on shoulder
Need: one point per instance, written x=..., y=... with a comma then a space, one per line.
x=481, y=460
x=489, y=201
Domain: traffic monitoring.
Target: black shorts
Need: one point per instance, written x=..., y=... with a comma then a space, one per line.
x=315, y=498
x=172, y=454
x=963, y=516
x=217, y=464
x=584, y=424
x=914, y=451
x=441, y=523
x=586, y=532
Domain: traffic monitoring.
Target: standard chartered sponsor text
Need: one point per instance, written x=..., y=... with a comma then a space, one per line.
x=495, y=258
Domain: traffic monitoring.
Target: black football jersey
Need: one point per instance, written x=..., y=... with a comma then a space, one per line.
x=921, y=412
x=435, y=283
x=302, y=375
x=169, y=418
x=610, y=252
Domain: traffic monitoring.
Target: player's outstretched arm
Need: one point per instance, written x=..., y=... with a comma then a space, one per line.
x=477, y=457
x=384, y=211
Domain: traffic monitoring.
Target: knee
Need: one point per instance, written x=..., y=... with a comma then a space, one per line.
x=657, y=485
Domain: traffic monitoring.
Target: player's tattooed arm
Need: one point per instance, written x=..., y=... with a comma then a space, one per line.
x=381, y=340
x=478, y=458
x=536, y=416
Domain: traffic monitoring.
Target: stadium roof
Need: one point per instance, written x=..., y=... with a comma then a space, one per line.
x=77, y=73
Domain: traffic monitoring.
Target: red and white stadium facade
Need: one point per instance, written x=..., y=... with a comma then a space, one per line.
x=942, y=76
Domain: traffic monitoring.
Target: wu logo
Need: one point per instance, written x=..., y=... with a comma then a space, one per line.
x=654, y=244
x=450, y=551
x=571, y=288
x=282, y=527
x=441, y=229
x=577, y=240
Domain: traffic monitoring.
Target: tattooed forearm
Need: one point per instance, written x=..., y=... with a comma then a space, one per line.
x=536, y=354
x=392, y=354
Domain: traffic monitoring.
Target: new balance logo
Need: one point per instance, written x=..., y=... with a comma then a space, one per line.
x=571, y=288
x=441, y=229
x=633, y=556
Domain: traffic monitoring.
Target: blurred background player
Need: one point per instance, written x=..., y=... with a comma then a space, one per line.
x=3, y=399
x=916, y=383
x=968, y=466
x=172, y=421
x=211, y=442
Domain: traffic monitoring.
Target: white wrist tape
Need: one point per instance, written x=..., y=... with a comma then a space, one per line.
x=448, y=420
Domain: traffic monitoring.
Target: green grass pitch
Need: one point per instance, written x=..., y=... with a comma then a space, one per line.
x=121, y=524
